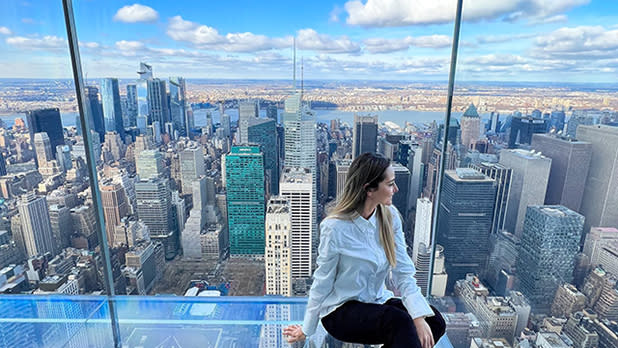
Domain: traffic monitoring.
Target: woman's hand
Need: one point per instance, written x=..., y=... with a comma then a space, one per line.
x=424, y=332
x=294, y=333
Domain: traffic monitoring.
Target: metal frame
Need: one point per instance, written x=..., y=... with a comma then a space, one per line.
x=67, y=6
x=447, y=122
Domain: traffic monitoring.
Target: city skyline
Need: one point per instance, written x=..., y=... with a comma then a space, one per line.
x=529, y=41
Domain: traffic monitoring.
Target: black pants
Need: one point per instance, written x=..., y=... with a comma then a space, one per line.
x=388, y=324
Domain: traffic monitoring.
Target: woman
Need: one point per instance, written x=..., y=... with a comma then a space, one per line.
x=361, y=241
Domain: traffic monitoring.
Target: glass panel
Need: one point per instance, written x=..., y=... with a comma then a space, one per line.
x=527, y=203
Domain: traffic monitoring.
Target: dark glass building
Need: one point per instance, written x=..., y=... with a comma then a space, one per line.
x=464, y=222
x=94, y=112
x=263, y=132
x=502, y=175
x=46, y=120
x=364, y=134
x=522, y=128
x=112, y=110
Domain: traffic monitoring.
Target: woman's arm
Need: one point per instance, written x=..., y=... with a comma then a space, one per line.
x=403, y=274
x=323, y=277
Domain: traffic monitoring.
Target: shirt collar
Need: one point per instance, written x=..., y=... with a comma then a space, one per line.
x=371, y=221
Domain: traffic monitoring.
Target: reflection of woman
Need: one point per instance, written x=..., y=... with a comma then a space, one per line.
x=361, y=241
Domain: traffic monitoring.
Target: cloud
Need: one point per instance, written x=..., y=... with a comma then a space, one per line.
x=490, y=39
x=5, y=31
x=391, y=13
x=205, y=37
x=335, y=13
x=583, y=42
x=379, y=45
x=309, y=39
x=495, y=60
x=49, y=43
x=136, y=13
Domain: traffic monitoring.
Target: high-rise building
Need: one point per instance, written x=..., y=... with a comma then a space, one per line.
x=112, y=111
x=143, y=108
x=575, y=120
x=48, y=121
x=470, y=127
x=63, y=156
x=364, y=135
x=416, y=167
x=568, y=300
x=62, y=226
x=546, y=259
x=271, y=112
x=556, y=121
x=2, y=164
x=131, y=105
x=157, y=103
x=278, y=253
x=570, y=160
x=177, y=104
x=341, y=168
x=600, y=201
x=422, y=225
x=191, y=167
x=149, y=164
x=35, y=225
x=94, y=112
x=402, y=180
x=247, y=110
x=154, y=209
x=115, y=207
x=114, y=146
x=296, y=187
x=600, y=241
x=522, y=129
x=464, y=223
x=528, y=185
x=502, y=175
x=607, y=305
x=263, y=132
x=244, y=170
x=43, y=149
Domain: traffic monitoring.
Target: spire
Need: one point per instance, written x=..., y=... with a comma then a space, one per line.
x=294, y=73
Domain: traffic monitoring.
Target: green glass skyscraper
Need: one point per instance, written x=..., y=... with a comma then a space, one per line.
x=264, y=133
x=244, y=171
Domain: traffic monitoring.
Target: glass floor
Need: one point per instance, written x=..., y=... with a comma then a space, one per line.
x=155, y=321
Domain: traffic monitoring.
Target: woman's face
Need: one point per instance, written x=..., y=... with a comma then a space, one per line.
x=386, y=189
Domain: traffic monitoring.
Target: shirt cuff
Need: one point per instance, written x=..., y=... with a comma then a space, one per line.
x=417, y=306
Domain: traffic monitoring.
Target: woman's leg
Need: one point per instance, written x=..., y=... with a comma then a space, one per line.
x=369, y=323
x=436, y=323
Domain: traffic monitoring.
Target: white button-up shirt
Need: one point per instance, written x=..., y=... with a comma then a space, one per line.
x=352, y=265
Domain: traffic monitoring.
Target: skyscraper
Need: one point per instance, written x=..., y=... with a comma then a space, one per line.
x=48, y=121
x=177, y=104
x=94, y=111
x=263, y=132
x=528, y=185
x=2, y=164
x=422, y=225
x=43, y=149
x=470, y=127
x=502, y=175
x=402, y=180
x=522, y=129
x=112, y=111
x=244, y=170
x=464, y=221
x=247, y=110
x=364, y=135
x=296, y=187
x=157, y=103
x=556, y=120
x=570, y=160
x=115, y=207
x=341, y=168
x=278, y=254
x=546, y=259
x=36, y=227
x=132, y=105
x=149, y=164
x=600, y=201
x=154, y=209
x=143, y=107
x=191, y=167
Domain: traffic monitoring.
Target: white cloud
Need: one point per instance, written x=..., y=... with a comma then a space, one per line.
x=490, y=39
x=583, y=42
x=309, y=39
x=205, y=37
x=495, y=60
x=379, y=45
x=136, y=13
x=48, y=42
x=389, y=13
x=5, y=31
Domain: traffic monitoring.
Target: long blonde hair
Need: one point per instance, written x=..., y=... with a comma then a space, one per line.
x=365, y=173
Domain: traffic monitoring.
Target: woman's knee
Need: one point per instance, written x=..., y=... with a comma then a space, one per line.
x=396, y=318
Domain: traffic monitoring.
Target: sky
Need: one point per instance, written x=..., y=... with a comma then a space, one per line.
x=409, y=40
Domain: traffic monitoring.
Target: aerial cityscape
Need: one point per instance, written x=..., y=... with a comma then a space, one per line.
x=215, y=185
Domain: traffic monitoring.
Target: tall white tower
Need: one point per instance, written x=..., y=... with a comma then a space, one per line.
x=278, y=253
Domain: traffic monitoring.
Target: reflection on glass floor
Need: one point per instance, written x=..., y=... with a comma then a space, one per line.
x=162, y=322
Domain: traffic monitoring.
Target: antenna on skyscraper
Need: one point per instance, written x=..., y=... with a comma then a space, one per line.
x=302, y=78
x=294, y=73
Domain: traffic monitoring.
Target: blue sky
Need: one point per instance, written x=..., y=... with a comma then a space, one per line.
x=508, y=40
